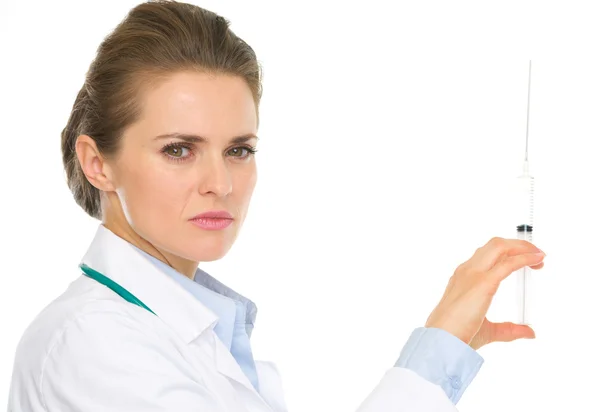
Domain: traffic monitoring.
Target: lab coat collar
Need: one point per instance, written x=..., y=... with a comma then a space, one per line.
x=126, y=265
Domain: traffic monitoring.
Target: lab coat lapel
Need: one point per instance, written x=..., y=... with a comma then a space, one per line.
x=119, y=260
x=227, y=366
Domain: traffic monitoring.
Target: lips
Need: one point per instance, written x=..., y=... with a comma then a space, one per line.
x=213, y=220
x=214, y=214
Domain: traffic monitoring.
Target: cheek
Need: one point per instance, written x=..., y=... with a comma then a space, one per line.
x=154, y=194
x=244, y=183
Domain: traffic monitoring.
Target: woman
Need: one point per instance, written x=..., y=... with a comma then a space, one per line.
x=160, y=148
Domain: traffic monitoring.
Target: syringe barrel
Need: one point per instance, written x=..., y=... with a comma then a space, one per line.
x=525, y=186
x=525, y=190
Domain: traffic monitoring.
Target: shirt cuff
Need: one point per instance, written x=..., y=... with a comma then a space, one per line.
x=442, y=359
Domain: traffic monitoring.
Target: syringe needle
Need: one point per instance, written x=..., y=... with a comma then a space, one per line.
x=527, y=130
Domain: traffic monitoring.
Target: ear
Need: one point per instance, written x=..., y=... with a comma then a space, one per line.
x=94, y=166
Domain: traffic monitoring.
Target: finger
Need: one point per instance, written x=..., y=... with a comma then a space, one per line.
x=497, y=248
x=508, y=332
x=536, y=267
x=509, y=265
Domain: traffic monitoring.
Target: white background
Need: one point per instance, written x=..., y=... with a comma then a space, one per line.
x=390, y=135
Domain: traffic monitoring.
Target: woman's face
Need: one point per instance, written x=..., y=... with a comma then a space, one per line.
x=191, y=152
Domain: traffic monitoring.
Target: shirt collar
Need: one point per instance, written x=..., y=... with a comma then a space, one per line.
x=249, y=308
x=120, y=261
x=230, y=307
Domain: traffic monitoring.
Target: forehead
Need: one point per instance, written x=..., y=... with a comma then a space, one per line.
x=210, y=105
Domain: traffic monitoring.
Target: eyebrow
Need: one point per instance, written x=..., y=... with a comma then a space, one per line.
x=193, y=138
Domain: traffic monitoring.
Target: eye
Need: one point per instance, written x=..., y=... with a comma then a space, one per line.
x=176, y=151
x=241, y=151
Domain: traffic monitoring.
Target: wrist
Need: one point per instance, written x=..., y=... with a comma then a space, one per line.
x=450, y=328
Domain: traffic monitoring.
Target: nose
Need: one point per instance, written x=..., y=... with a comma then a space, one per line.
x=215, y=177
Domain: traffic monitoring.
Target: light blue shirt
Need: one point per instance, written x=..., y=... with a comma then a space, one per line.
x=236, y=313
x=434, y=354
x=442, y=359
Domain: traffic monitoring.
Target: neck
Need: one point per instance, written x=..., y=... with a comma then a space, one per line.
x=116, y=222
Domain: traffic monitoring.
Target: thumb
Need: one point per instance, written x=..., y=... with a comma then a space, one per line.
x=508, y=332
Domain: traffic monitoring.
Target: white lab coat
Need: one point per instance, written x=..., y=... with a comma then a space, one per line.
x=92, y=351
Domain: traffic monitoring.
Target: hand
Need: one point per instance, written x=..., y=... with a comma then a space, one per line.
x=469, y=293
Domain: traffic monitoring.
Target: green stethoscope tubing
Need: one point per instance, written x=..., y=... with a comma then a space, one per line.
x=112, y=285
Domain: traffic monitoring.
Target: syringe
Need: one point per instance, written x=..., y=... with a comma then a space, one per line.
x=525, y=228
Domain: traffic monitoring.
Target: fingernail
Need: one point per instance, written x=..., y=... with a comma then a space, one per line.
x=540, y=253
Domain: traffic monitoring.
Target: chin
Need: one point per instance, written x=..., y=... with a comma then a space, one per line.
x=207, y=250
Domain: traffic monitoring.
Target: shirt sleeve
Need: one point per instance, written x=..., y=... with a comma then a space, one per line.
x=105, y=361
x=442, y=359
